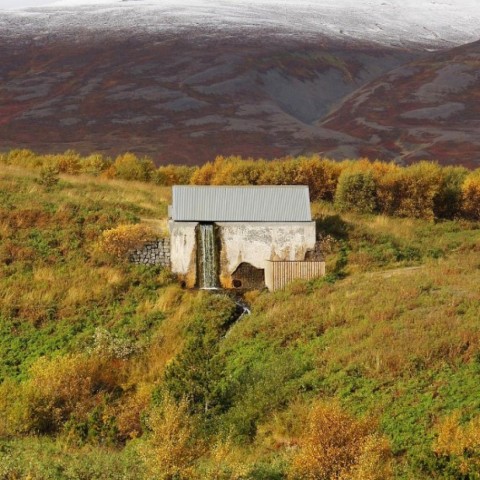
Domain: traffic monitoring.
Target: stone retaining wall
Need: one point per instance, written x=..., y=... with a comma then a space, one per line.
x=153, y=253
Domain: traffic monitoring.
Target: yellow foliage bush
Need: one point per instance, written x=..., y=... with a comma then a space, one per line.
x=203, y=175
x=420, y=184
x=95, y=164
x=471, y=195
x=63, y=386
x=129, y=167
x=169, y=175
x=120, y=240
x=170, y=451
x=336, y=446
x=68, y=162
x=13, y=411
x=226, y=462
x=131, y=409
x=460, y=445
x=321, y=175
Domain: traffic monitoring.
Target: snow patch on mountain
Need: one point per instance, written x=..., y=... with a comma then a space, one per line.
x=429, y=23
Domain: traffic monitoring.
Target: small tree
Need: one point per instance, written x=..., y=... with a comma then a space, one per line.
x=356, y=191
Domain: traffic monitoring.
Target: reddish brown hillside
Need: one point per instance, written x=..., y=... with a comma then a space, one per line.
x=428, y=108
x=181, y=99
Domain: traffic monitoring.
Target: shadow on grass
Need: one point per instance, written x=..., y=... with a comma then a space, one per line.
x=333, y=225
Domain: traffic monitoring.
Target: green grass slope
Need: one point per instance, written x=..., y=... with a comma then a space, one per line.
x=111, y=370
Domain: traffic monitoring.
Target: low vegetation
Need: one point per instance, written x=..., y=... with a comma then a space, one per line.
x=111, y=370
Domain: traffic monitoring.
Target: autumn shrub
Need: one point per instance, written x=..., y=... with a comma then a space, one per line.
x=13, y=409
x=133, y=408
x=22, y=158
x=203, y=175
x=226, y=462
x=65, y=386
x=48, y=177
x=279, y=172
x=229, y=171
x=95, y=164
x=389, y=190
x=129, y=167
x=243, y=172
x=458, y=447
x=169, y=175
x=321, y=175
x=356, y=191
x=471, y=195
x=170, y=450
x=418, y=186
x=447, y=203
x=120, y=240
x=336, y=446
x=68, y=162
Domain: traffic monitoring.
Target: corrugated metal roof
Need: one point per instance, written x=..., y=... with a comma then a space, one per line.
x=285, y=203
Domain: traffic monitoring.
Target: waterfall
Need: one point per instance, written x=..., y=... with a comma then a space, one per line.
x=207, y=262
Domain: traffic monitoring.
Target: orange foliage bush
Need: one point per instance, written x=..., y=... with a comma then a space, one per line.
x=120, y=240
x=336, y=446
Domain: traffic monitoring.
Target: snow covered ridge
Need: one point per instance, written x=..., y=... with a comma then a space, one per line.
x=429, y=23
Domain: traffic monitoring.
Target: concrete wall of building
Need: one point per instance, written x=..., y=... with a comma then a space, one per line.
x=256, y=243
x=183, y=251
x=253, y=243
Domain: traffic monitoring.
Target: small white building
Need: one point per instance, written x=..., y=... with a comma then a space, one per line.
x=242, y=236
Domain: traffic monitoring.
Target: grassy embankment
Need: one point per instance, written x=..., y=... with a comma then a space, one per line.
x=110, y=370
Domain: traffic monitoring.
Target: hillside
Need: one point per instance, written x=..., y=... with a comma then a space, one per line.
x=179, y=99
x=110, y=370
x=427, y=108
x=184, y=82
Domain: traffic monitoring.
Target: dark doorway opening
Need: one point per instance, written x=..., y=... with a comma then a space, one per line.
x=246, y=276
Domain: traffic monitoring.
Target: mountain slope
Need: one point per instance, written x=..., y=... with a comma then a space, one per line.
x=180, y=100
x=186, y=81
x=429, y=108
